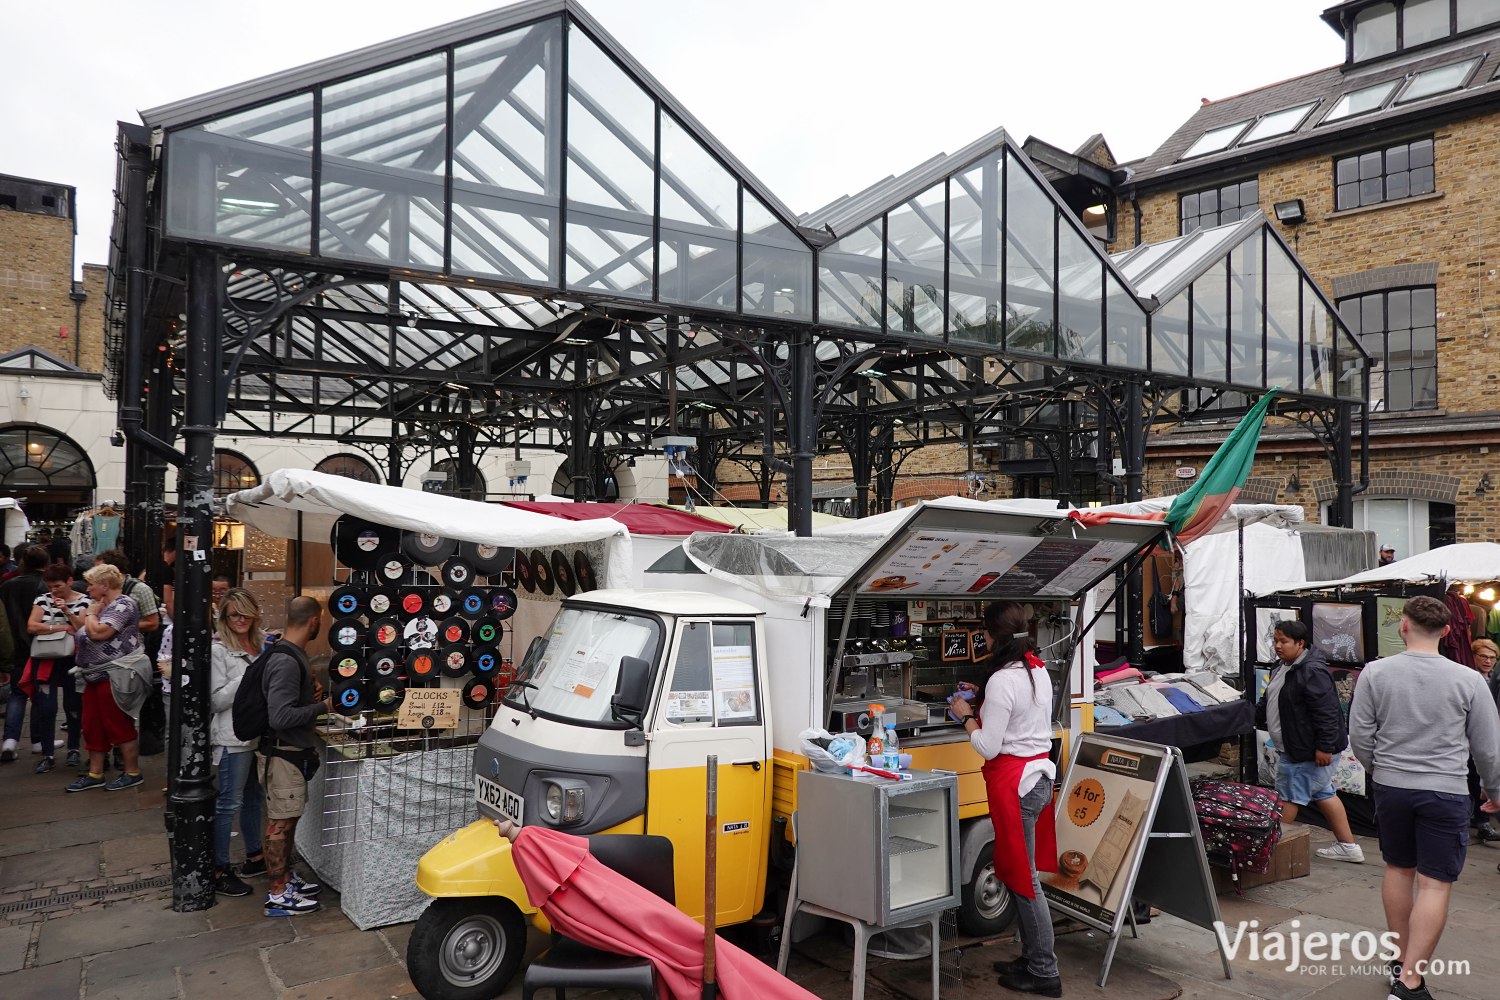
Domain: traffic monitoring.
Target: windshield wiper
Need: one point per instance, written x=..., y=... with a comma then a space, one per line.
x=524, y=685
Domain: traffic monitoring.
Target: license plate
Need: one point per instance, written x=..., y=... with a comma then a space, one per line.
x=499, y=798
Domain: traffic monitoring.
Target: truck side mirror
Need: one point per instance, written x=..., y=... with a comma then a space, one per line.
x=632, y=688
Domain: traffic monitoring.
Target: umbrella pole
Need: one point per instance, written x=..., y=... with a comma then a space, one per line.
x=710, y=879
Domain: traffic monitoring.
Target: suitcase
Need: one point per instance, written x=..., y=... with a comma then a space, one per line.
x=1240, y=824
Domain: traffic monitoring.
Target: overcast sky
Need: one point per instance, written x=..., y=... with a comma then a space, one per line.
x=817, y=97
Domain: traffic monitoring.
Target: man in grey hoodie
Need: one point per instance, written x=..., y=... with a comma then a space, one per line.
x=1416, y=719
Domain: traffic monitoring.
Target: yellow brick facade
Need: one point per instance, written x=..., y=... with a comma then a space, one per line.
x=36, y=279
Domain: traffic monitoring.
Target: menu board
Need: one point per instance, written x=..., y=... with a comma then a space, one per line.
x=964, y=563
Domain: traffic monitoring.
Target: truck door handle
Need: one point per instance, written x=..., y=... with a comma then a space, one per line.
x=752, y=764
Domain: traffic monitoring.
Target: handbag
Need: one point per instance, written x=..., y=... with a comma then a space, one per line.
x=52, y=645
x=1160, y=607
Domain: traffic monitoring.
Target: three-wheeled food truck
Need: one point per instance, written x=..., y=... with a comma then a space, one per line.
x=742, y=644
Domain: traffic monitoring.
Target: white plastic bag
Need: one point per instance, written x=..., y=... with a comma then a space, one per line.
x=842, y=750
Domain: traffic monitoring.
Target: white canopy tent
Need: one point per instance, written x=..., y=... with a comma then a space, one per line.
x=274, y=507
x=1466, y=562
x=17, y=527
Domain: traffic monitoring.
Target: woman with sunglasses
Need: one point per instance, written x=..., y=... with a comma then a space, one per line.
x=238, y=640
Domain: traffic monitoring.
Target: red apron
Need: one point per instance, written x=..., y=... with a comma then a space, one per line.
x=1002, y=781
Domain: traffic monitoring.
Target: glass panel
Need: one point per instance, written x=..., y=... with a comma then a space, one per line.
x=384, y=156
x=1080, y=297
x=1211, y=324
x=1437, y=81
x=1423, y=21
x=505, y=157
x=1030, y=217
x=245, y=179
x=1126, y=325
x=1215, y=139
x=1358, y=102
x=1245, y=313
x=1375, y=31
x=849, y=279
x=1282, y=316
x=974, y=227
x=611, y=168
x=1169, y=337
x=699, y=222
x=778, y=265
x=915, y=253
x=1351, y=362
x=1317, y=344
x=1277, y=123
x=1477, y=13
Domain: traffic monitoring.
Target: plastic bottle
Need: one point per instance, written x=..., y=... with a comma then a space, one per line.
x=891, y=748
x=876, y=746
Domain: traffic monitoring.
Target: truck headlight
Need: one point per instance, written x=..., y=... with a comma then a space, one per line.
x=563, y=801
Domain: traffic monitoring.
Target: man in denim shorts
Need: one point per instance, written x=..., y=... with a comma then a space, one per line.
x=1416, y=719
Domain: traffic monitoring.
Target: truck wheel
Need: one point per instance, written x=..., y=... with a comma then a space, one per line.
x=466, y=948
x=987, y=907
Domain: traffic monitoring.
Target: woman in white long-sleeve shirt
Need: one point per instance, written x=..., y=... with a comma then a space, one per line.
x=1013, y=733
x=238, y=640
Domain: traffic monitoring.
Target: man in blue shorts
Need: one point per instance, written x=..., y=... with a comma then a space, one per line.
x=1416, y=719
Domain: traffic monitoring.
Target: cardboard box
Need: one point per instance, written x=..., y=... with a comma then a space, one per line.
x=1291, y=859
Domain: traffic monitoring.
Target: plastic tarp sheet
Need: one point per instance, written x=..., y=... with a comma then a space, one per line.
x=17, y=527
x=640, y=518
x=320, y=499
x=1211, y=583
x=884, y=524
x=781, y=567
x=1466, y=562
x=753, y=520
x=1274, y=514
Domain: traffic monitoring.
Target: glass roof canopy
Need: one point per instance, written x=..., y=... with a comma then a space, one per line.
x=515, y=169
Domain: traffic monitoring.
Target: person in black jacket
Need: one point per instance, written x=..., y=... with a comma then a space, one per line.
x=1301, y=713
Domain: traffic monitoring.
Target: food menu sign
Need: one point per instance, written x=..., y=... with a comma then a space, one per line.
x=983, y=565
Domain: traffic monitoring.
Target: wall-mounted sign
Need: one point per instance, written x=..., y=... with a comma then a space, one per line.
x=1186, y=472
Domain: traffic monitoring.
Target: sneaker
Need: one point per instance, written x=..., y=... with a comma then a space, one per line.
x=303, y=887
x=1022, y=981
x=36, y=748
x=84, y=783
x=1400, y=991
x=7, y=751
x=1352, y=853
x=1394, y=971
x=253, y=867
x=124, y=781
x=289, y=904
x=227, y=883
x=73, y=759
x=44, y=765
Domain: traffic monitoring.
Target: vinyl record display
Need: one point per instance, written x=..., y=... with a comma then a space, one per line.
x=358, y=543
x=420, y=633
x=412, y=601
x=346, y=633
x=422, y=663
x=487, y=631
x=385, y=633
x=380, y=601
x=347, y=601
x=385, y=664
x=484, y=661
x=562, y=572
x=502, y=602
x=454, y=660
x=345, y=666
x=541, y=572
x=392, y=567
x=386, y=693
x=458, y=572
x=583, y=572
x=472, y=602
x=477, y=693
x=443, y=603
x=523, y=573
x=349, y=698
x=453, y=630
x=426, y=549
x=487, y=560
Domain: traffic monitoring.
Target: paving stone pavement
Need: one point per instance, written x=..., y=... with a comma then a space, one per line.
x=85, y=914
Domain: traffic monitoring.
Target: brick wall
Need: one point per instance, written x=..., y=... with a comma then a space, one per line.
x=36, y=275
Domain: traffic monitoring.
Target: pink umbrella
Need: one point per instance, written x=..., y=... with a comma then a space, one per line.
x=601, y=908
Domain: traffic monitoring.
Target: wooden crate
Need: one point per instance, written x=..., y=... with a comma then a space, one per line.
x=1291, y=859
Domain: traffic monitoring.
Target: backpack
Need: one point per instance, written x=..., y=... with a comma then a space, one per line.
x=1241, y=824
x=249, y=713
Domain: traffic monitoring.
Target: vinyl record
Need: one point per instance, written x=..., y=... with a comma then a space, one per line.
x=453, y=630
x=502, y=602
x=562, y=572
x=421, y=664
x=472, y=602
x=541, y=572
x=384, y=665
x=347, y=601
x=523, y=573
x=348, y=699
x=443, y=604
x=487, y=631
x=583, y=572
x=477, y=693
x=385, y=633
x=420, y=633
x=458, y=572
x=487, y=560
x=345, y=667
x=426, y=549
x=386, y=693
x=380, y=601
x=484, y=661
x=358, y=543
x=346, y=633
x=453, y=660
x=392, y=567
x=411, y=601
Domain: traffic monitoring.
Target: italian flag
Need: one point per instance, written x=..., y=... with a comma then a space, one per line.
x=1195, y=511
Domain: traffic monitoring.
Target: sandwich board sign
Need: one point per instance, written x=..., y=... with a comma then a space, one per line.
x=1127, y=831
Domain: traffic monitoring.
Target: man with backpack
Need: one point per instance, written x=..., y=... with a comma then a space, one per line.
x=287, y=756
x=1416, y=719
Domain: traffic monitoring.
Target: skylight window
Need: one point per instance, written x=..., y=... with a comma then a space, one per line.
x=1277, y=123
x=1215, y=139
x=1438, y=81
x=1362, y=101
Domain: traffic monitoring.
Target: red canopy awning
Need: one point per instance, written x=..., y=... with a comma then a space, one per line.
x=640, y=518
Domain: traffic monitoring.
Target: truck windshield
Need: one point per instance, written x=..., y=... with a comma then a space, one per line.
x=570, y=675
